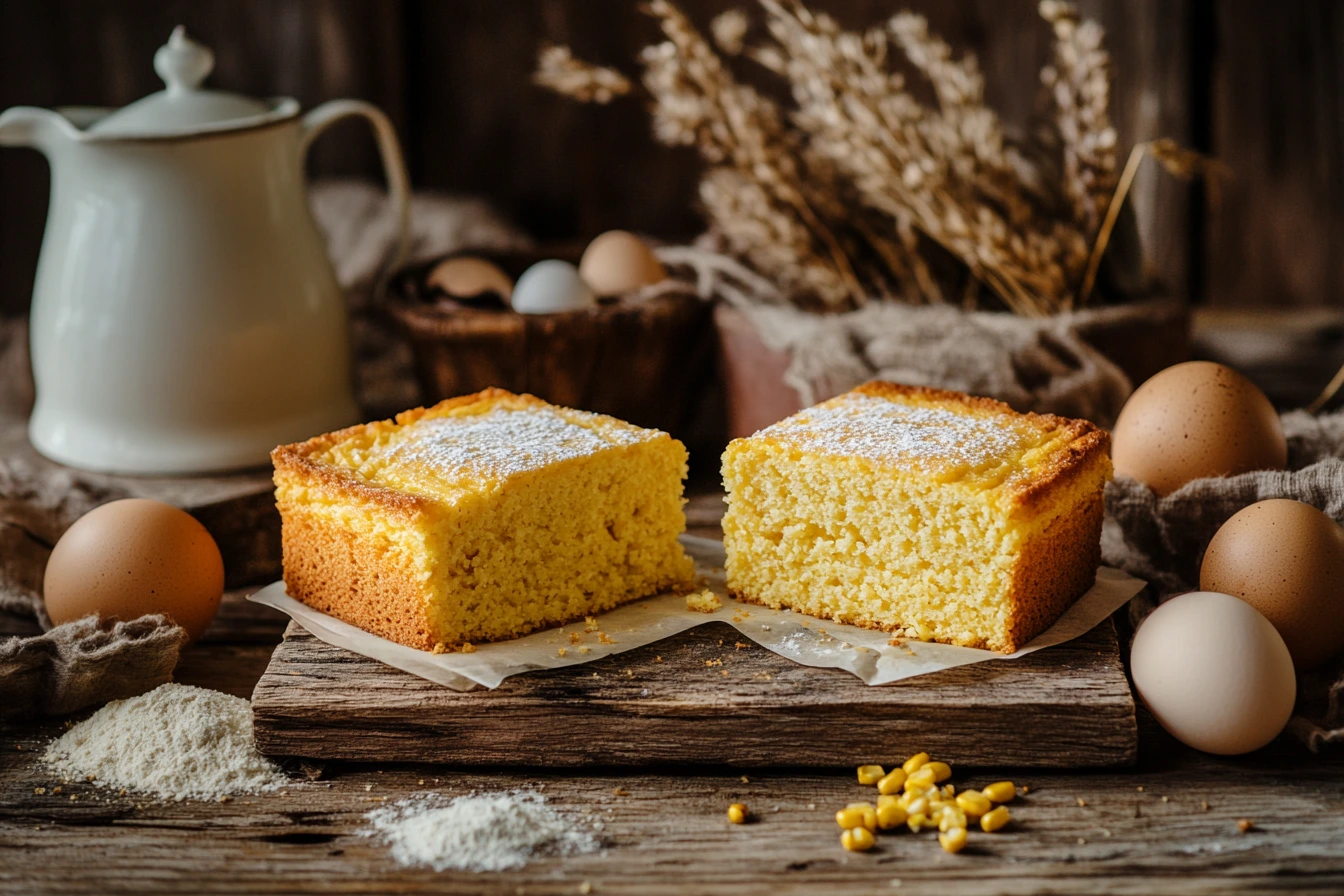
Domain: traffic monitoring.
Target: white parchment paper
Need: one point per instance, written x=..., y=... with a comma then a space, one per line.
x=803, y=639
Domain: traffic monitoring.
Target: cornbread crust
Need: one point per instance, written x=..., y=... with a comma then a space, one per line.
x=335, y=565
x=1050, y=570
x=344, y=583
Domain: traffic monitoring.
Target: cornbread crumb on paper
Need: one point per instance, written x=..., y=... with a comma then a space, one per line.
x=704, y=601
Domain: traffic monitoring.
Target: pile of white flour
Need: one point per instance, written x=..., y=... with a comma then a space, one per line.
x=175, y=742
x=478, y=832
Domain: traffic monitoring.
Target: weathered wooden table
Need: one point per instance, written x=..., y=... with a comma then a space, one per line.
x=1167, y=825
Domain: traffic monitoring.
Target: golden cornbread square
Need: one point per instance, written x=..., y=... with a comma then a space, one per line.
x=482, y=518
x=925, y=513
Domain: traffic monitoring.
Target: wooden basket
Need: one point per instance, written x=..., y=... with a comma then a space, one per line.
x=648, y=362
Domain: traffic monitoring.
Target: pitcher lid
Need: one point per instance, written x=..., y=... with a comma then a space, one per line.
x=184, y=107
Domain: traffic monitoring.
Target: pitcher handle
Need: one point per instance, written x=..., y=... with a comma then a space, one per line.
x=394, y=169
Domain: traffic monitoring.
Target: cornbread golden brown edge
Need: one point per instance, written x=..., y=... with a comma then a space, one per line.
x=1056, y=567
x=358, y=580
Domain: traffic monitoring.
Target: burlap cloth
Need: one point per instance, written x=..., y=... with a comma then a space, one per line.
x=88, y=662
x=1162, y=540
x=1032, y=364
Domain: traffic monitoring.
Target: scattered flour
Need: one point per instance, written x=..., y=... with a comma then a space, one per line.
x=175, y=742
x=477, y=832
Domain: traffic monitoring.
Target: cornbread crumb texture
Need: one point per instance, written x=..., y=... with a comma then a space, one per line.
x=482, y=518
x=704, y=601
x=925, y=513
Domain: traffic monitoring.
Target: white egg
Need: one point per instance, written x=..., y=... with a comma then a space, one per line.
x=1214, y=672
x=551, y=286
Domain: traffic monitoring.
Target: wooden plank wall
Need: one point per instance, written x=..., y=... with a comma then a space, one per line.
x=1261, y=85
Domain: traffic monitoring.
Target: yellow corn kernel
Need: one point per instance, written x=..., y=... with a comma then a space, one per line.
x=889, y=800
x=870, y=774
x=974, y=803
x=857, y=840
x=949, y=790
x=1000, y=791
x=953, y=841
x=951, y=819
x=914, y=762
x=941, y=771
x=857, y=815
x=917, y=807
x=737, y=813
x=890, y=816
x=994, y=819
x=893, y=782
x=917, y=822
x=921, y=779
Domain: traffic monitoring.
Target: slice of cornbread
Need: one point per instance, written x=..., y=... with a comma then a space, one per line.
x=921, y=512
x=481, y=518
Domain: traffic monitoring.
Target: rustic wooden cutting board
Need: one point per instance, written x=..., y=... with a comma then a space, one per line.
x=672, y=702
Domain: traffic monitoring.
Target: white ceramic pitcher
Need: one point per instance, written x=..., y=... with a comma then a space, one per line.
x=185, y=317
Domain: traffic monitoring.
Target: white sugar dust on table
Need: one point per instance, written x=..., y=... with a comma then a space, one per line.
x=868, y=654
x=479, y=832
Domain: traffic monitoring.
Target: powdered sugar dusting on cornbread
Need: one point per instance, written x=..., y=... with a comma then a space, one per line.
x=492, y=446
x=930, y=438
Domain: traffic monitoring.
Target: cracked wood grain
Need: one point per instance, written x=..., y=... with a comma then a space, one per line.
x=1066, y=706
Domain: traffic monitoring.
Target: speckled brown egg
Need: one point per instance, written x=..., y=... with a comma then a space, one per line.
x=618, y=262
x=1196, y=420
x=134, y=557
x=1286, y=559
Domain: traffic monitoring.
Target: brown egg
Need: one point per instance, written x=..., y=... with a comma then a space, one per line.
x=133, y=557
x=466, y=277
x=1196, y=420
x=618, y=262
x=1286, y=559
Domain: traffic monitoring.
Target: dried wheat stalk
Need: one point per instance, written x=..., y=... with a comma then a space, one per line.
x=1078, y=86
x=558, y=70
x=860, y=191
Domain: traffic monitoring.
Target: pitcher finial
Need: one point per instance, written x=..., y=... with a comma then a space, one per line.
x=182, y=63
